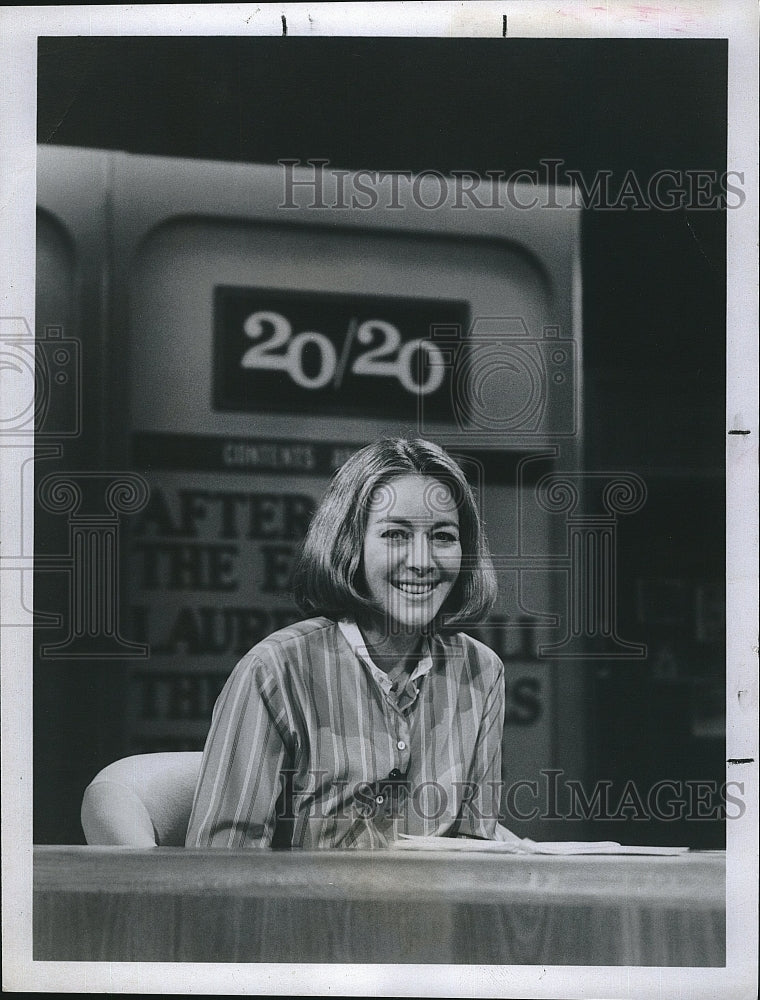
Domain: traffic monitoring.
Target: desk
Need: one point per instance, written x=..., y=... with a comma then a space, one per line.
x=175, y=904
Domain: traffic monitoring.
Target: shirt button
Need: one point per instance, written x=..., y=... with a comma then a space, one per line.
x=379, y=799
x=401, y=745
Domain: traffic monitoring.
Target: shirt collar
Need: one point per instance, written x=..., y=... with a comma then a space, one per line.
x=356, y=641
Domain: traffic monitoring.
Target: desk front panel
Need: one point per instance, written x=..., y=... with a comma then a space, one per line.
x=118, y=904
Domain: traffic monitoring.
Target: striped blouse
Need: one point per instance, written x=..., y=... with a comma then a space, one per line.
x=312, y=745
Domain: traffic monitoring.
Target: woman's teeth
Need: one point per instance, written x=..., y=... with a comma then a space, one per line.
x=415, y=588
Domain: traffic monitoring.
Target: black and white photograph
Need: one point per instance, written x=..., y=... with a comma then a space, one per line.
x=378, y=539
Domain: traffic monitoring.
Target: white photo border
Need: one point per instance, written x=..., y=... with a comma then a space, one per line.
x=737, y=21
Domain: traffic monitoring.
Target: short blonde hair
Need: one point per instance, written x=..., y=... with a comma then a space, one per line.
x=328, y=579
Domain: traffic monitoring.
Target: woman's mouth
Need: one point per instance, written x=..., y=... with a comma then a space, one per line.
x=415, y=588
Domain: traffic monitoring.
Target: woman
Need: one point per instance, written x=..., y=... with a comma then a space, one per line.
x=368, y=719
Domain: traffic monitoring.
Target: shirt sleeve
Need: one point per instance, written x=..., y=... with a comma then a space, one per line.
x=478, y=816
x=241, y=776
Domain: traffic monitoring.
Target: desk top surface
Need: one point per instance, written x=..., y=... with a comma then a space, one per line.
x=696, y=879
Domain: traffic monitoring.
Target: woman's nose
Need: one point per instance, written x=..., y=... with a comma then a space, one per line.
x=419, y=556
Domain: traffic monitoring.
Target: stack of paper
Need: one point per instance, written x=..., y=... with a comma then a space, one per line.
x=524, y=845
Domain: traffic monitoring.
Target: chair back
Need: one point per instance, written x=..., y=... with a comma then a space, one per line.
x=141, y=801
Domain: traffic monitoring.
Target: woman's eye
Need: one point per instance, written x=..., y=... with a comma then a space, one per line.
x=445, y=537
x=394, y=534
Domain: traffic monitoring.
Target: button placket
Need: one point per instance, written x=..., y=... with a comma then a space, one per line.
x=390, y=795
x=402, y=753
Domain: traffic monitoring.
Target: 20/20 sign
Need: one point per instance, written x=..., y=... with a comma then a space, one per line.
x=326, y=353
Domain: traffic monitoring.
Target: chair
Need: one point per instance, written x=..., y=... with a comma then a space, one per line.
x=141, y=801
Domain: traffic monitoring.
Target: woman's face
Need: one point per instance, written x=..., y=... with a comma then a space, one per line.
x=412, y=552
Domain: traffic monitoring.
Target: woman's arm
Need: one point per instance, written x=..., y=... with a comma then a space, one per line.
x=240, y=779
x=479, y=814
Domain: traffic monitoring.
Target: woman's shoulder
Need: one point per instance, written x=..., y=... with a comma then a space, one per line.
x=477, y=653
x=286, y=641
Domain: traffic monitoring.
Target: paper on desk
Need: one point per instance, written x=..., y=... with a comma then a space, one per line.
x=524, y=845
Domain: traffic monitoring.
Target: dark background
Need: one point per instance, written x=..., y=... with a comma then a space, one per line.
x=653, y=312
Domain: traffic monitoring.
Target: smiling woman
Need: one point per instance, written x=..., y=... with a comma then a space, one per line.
x=374, y=718
x=412, y=552
x=391, y=490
